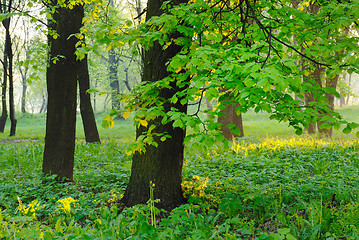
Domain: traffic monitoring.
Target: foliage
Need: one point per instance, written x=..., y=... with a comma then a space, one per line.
x=241, y=52
x=272, y=188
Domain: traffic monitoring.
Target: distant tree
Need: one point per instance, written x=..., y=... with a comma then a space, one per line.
x=62, y=74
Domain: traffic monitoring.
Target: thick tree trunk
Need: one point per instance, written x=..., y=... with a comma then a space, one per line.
x=87, y=115
x=62, y=91
x=161, y=165
x=230, y=117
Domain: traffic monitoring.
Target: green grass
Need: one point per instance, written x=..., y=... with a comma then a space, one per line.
x=256, y=125
x=269, y=185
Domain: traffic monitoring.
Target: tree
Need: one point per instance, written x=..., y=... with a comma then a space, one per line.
x=62, y=75
x=87, y=114
x=7, y=7
x=215, y=50
x=160, y=164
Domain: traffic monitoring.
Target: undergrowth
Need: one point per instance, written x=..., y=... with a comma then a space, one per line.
x=290, y=188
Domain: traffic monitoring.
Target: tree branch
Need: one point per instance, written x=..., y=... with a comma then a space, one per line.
x=280, y=41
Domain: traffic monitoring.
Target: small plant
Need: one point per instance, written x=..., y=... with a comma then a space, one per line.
x=151, y=204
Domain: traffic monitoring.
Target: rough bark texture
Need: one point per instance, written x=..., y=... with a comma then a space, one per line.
x=87, y=114
x=230, y=117
x=62, y=86
x=161, y=165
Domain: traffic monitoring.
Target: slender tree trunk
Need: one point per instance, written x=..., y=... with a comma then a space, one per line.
x=11, y=86
x=62, y=93
x=115, y=88
x=4, y=115
x=43, y=104
x=161, y=165
x=342, y=100
x=24, y=84
x=87, y=115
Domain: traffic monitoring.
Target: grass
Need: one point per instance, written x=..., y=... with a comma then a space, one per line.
x=269, y=185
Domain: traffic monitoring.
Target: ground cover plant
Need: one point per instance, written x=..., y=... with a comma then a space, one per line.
x=261, y=188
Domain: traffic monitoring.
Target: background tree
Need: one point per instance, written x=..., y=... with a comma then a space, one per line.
x=87, y=114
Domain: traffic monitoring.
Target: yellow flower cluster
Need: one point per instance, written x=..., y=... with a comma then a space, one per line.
x=30, y=210
x=66, y=204
x=275, y=144
x=195, y=187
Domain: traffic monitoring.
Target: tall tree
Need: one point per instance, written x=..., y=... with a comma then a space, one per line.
x=161, y=165
x=62, y=75
x=215, y=54
x=5, y=7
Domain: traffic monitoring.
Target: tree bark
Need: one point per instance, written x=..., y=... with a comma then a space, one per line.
x=115, y=87
x=24, y=83
x=11, y=85
x=4, y=115
x=161, y=165
x=87, y=114
x=230, y=117
x=309, y=96
x=330, y=83
x=62, y=93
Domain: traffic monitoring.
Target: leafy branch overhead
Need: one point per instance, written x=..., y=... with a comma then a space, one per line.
x=248, y=49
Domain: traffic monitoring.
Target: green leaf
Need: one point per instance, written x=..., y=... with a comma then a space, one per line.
x=347, y=130
x=298, y=131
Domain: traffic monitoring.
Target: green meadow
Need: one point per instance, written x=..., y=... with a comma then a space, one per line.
x=271, y=184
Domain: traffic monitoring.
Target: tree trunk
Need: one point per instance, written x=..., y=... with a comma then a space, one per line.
x=4, y=115
x=330, y=83
x=87, y=115
x=24, y=84
x=309, y=96
x=44, y=103
x=115, y=88
x=11, y=85
x=62, y=93
x=230, y=117
x=342, y=100
x=161, y=165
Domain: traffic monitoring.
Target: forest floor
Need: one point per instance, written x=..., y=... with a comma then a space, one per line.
x=271, y=184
